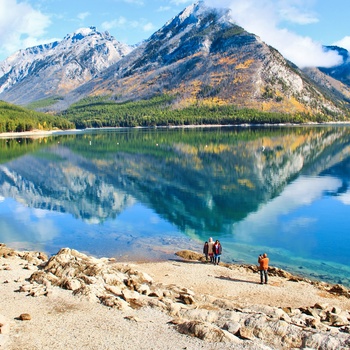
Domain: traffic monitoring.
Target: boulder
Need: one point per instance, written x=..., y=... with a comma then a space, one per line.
x=187, y=298
x=70, y=283
x=336, y=320
x=115, y=302
x=129, y=295
x=338, y=289
x=6, y=252
x=233, y=327
x=25, y=317
x=190, y=255
x=116, y=290
x=325, y=341
x=144, y=289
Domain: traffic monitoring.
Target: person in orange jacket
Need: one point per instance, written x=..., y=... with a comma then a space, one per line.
x=263, y=261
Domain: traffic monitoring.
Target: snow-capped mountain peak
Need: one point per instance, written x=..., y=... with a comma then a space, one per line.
x=78, y=57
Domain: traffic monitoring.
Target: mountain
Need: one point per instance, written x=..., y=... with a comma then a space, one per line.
x=54, y=69
x=199, y=56
x=342, y=71
x=333, y=81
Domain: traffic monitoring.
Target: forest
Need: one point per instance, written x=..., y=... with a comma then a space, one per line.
x=18, y=119
x=104, y=111
x=99, y=112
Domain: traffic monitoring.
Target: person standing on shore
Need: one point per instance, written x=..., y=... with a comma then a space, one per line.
x=210, y=250
x=217, y=252
x=263, y=261
x=205, y=251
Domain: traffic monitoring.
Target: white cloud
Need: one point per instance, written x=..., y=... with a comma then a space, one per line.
x=344, y=198
x=344, y=43
x=302, y=192
x=180, y=2
x=164, y=9
x=148, y=27
x=137, y=2
x=83, y=15
x=122, y=22
x=20, y=26
x=295, y=13
x=265, y=18
x=117, y=23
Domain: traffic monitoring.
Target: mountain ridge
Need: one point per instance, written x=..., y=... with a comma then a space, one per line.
x=57, y=68
x=201, y=56
x=198, y=56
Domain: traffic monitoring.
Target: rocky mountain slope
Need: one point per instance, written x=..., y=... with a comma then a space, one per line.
x=200, y=56
x=55, y=69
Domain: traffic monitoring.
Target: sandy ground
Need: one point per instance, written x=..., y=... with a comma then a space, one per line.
x=63, y=321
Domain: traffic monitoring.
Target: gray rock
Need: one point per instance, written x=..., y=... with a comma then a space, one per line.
x=187, y=298
x=232, y=327
x=206, y=331
x=116, y=290
x=129, y=295
x=201, y=315
x=324, y=341
x=338, y=320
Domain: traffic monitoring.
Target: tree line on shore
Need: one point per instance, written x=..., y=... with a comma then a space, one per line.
x=98, y=112
x=17, y=119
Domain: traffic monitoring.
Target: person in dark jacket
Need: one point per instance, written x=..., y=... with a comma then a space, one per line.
x=217, y=250
x=206, y=251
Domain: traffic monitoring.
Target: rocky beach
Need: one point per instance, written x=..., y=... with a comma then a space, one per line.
x=75, y=301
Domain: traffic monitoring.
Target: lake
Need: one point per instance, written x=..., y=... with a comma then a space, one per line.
x=143, y=194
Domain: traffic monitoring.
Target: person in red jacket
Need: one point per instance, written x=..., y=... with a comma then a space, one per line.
x=263, y=261
x=217, y=249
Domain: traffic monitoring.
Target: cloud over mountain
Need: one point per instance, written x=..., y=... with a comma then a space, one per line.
x=265, y=18
x=345, y=43
x=21, y=26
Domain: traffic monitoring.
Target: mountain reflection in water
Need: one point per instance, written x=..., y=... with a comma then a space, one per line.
x=145, y=194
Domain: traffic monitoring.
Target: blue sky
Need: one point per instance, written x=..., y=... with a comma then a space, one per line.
x=297, y=28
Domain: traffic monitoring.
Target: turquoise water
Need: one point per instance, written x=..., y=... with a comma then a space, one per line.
x=141, y=194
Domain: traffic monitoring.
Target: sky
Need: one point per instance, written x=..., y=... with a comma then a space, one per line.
x=297, y=28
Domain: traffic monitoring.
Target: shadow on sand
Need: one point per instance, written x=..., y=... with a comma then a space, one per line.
x=236, y=280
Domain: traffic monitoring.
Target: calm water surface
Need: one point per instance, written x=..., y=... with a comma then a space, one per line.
x=145, y=194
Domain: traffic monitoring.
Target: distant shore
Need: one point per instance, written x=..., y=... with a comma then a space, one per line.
x=40, y=133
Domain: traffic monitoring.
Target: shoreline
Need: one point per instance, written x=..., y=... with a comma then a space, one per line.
x=73, y=300
x=306, y=273
x=78, y=131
